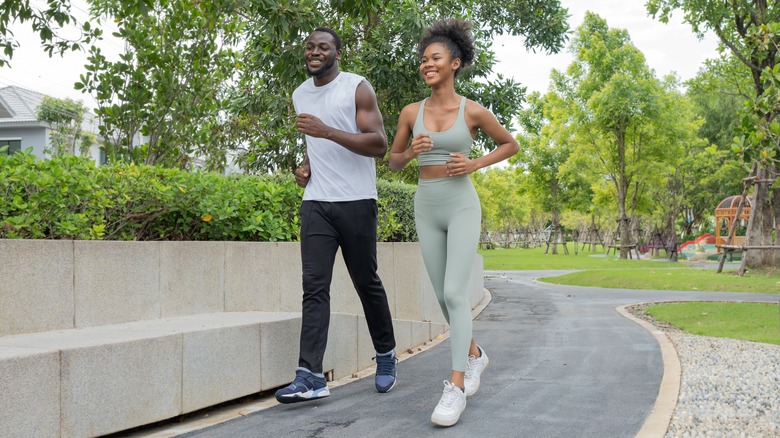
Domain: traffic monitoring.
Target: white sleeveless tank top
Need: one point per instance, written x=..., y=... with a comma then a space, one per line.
x=337, y=174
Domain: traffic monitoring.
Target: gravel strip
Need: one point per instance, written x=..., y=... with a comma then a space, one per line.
x=729, y=388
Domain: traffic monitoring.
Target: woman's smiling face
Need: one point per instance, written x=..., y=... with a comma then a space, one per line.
x=437, y=64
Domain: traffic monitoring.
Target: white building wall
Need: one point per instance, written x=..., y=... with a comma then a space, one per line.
x=37, y=138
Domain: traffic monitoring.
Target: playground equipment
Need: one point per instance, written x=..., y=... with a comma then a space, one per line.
x=727, y=213
x=701, y=248
x=757, y=179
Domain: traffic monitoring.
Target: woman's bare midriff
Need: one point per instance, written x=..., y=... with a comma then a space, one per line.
x=431, y=172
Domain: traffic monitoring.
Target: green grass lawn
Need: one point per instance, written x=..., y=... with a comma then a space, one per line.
x=758, y=322
x=608, y=271
x=685, y=279
x=533, y=259
x=748, y=321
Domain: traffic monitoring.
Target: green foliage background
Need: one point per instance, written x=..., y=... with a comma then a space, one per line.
x=70, y=198
x=213, y=80
x=396, y=211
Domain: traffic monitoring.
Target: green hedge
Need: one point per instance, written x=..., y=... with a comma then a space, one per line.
x=71, y=198
x=396, y=211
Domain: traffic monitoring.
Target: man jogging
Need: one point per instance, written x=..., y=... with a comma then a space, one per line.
x=338, y=113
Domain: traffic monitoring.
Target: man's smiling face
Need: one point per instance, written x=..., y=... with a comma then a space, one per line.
x=320, y=53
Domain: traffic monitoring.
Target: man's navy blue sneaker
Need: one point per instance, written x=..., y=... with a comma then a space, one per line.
x=305, y=387
x=385, y=372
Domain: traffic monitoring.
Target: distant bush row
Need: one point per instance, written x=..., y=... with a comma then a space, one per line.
x=71, y=198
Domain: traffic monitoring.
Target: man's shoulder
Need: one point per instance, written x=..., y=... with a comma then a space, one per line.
x=308, y=83
x=352, y=77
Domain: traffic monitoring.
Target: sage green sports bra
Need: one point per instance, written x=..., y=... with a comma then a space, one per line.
x=455, y=139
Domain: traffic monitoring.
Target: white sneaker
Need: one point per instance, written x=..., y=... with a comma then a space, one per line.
x=474, y=368
x=451, y=405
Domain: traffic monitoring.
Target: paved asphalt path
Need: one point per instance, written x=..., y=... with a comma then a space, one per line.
x=563, y=363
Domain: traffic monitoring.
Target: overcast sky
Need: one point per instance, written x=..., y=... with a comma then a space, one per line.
x=667, y=47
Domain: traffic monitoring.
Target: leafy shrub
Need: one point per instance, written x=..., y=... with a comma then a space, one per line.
x=70, y=198
x=398, y=198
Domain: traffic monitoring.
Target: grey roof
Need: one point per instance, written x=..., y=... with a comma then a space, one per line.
x=5, y=109
x=19, y=104
x=19, y=108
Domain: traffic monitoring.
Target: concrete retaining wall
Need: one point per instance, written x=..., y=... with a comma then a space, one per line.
x=99, y=337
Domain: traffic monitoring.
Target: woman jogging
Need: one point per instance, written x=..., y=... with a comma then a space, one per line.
x=439, y=132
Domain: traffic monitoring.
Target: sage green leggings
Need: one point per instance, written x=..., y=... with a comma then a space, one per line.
x=448, y=215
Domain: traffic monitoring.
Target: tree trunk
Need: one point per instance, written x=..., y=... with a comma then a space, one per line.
x=636, y=231
x=761, y=224
x=776, y=206
x=555, y=230
x=622, y=192
x=556, y=220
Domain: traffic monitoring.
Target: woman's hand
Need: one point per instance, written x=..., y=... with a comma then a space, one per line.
x=460, y=164
x=421, y=143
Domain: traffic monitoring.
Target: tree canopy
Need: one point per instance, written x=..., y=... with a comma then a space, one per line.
x=380, y=41
x=609, y=132
x=208, y=79
x=65, y=117
x=750, y=31
x=162, y=101
x=47, y=22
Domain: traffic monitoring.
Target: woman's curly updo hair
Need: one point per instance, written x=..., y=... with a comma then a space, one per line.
x=455, y=35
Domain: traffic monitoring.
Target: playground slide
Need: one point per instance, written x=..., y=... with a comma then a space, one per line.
x=705, y=239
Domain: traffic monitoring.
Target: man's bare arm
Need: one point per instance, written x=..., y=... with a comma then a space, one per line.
x=371, y=141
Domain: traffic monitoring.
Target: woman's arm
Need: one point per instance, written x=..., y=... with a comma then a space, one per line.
x=401, y=153
x=479, y=117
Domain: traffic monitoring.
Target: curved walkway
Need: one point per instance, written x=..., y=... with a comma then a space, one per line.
x=563, y=362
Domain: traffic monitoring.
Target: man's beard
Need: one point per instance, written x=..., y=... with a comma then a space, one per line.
x=322, y=70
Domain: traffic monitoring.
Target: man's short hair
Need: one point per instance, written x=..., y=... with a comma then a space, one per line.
x=333, y=33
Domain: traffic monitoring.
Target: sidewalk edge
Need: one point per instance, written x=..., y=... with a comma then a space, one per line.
x=657, y=423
